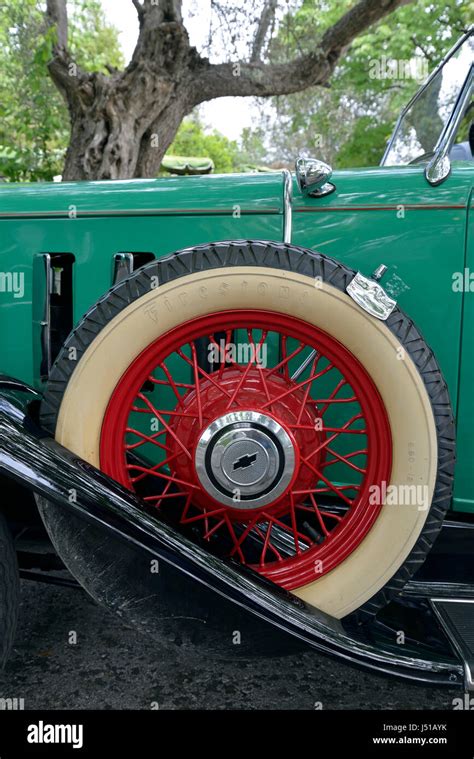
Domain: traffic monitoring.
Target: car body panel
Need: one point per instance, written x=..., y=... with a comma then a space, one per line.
x=223, y=194
x=392, y=215
x=464, y=479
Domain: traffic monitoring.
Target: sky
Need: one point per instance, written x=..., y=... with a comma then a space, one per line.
x=227, y=115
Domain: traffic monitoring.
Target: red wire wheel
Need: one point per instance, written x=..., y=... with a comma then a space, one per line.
x=257, y=433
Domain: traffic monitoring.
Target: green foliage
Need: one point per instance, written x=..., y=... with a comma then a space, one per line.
x=34, y=122
x=252, y=147
x=93, y=42
x=365, y=145
x=192, y=140
x=347, y=123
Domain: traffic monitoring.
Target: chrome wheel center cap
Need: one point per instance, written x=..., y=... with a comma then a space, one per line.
x=245, y=459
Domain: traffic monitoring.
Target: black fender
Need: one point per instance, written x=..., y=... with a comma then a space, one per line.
x=35, y=461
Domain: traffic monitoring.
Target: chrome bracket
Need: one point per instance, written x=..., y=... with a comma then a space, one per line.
x=52, y=309
x=287, y=208
x=370, y=295
x=456, y=616
x=125, y=263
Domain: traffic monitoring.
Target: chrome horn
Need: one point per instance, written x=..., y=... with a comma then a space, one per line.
x=312, y=176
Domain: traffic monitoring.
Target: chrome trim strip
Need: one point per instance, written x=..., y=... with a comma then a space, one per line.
x=41, y=306
x=407, y=206
x=287, y=207
x=140, y=212
x=458, y=524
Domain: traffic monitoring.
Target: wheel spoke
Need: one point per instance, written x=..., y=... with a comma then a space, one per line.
x=196, y=380
x=275, y=432
x=301, y=384
x=171, y=383
x=165, y=412
x=164, y=495
x=204, y=515
x=318, y=515
x=165, y=425
x=244, y=374
x=245, y=533
x=283, y=364
x=203, y=373
x=214, y=529
x=270, y=545
x=145, y=439
x=345, y=459
x=329, y=440
x=330, y=485
x=163, y=476
x=314, y=364
x=155, y=467
x=308, y=360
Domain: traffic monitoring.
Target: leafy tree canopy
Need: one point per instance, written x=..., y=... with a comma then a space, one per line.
x=349, y=122
x=34, y=123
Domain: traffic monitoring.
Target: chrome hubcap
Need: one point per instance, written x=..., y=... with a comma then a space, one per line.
x=245, y=459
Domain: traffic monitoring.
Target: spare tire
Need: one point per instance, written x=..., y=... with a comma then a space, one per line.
x=328, y=467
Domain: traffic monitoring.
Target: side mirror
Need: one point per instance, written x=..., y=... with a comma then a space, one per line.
x=312, y=176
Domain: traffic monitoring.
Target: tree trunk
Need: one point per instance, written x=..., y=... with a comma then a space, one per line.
x=122, y=123
x=117, y=136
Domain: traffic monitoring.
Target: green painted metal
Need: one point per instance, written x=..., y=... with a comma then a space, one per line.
x=391, y=215
x=464, y=480
x=224, y=194
x=381, y=215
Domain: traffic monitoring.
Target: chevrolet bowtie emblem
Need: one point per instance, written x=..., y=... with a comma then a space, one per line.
x=245, y=461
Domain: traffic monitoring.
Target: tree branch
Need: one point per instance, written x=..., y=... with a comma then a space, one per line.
x=315, y=68
x=63, y=71
x=356, y=20
x=423, y=49
x=266, y=19
x=162, y=38
x=140, y=10
x=56, y=15
x=172, y=10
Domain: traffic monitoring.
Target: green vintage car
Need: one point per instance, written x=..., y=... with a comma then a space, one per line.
x=263, y=397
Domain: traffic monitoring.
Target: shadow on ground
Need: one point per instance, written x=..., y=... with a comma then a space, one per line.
x=112, y=667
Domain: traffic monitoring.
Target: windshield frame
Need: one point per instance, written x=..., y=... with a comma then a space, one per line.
x=439, y=165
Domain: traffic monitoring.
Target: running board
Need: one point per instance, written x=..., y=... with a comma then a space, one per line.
x=456, y=617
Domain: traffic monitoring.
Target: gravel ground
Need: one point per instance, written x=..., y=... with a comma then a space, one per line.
x=112, y=667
